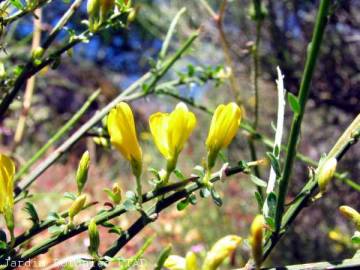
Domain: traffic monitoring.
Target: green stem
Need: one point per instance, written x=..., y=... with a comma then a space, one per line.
x=57, y=136
x=313, y=52
x=21, y=13
x=341, y=147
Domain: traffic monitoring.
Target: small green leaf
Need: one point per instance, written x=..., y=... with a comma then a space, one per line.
x=182, y=204
x=294, y=103
x=165, y=253
x=17, y=4
x=355, y=239
x=271, y=203
x=216, y=197
x=257, y=181
x=259, y=199
x=3, y=245
x=54, y=230
x=192, y=199
x=70, y=196
x=31, y=210
x=274, y=163
x=270, y=222
x=179, y=174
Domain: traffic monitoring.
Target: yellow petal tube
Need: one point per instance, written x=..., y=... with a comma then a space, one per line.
x=7, y=172
x=171, y=131
x=351, y=214
x=122, y=131
x=224, y=125
x=256, y=231
x=222, y=249
x=191, y=261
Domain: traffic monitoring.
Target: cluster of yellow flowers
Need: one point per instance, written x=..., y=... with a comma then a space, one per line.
x=170, y=132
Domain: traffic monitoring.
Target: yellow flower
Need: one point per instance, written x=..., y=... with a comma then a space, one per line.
x=171, y=131
x=224, y=125
x=222, y=249
x=256, y=232
x=7, y=172
x=122, y=131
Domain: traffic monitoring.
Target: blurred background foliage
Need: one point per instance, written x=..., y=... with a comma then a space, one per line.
x=115, y=58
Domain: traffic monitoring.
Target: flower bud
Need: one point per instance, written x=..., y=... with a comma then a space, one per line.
x=82, y=171
x=106, y=7
x=77, y=206
x=224, y=125
x=351, y=214
x=2, y=70
x=222, y=249
x=174, y=262
x=191, y=261
x=116, y=191
x=122, y=131
x=256, y=239
x=93, y=10
x=94, y=238
x=326, y=173
x=38, y=53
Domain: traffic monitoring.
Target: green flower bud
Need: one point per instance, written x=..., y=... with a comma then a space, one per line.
x=94, y=238
x=77, y=206
x=82, y=171
x=38, y=53
x=116, y=191
x=325, y=173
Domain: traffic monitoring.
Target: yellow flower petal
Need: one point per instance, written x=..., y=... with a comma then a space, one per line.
x=224, y=125
x=171, y=131
x=7, y=172
x=222, y=249
x=122, y=131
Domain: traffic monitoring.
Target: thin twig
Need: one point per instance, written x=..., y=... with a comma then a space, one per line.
x=30, y=84
x=57, y=136
x=313, y=53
